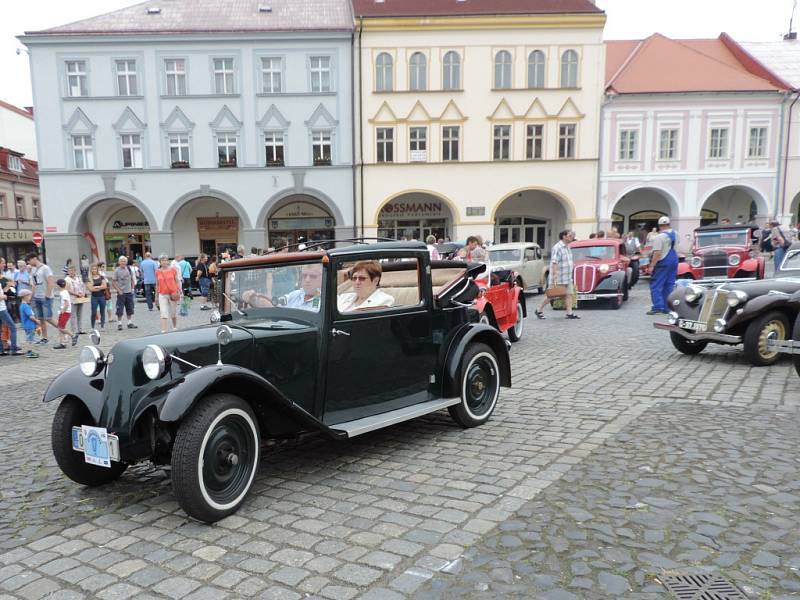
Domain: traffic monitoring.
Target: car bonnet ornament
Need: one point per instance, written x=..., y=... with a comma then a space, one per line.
x=224, y=337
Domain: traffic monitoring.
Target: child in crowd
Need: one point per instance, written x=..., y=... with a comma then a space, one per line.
x=64, y=314
x=28, y=321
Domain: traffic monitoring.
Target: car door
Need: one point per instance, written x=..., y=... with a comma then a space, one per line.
x=384, y=359
x=532, y=266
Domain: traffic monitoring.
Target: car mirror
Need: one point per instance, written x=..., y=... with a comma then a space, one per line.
x=95, y=337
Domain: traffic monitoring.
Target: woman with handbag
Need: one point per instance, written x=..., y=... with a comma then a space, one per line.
x=98, y=286
x=168, y=292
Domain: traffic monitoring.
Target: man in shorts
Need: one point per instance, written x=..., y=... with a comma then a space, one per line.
x=43, y=284
x=124, y=283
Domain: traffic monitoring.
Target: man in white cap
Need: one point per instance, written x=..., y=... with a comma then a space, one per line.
x=663, y=267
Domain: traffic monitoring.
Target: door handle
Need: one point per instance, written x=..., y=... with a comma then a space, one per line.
x=338, y=332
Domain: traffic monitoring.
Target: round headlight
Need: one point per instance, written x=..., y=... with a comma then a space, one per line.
x=603, y=269
x=737, y=297
x=215, y=316
x=734, y=259
x=154, y=361
x=672, y=318
x=91, y=361
x=719, y=325
x=693, y=292
x=696, y=262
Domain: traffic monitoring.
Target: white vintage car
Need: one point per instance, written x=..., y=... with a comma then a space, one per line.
x=524, y=258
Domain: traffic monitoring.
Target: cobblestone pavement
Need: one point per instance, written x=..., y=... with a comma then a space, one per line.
x=614, y=460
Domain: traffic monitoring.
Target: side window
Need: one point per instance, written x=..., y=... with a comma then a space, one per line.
x=373, y=285
x=530, y=254
x=622, y=250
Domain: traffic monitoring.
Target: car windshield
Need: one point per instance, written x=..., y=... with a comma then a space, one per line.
x=722, y=238
x=266, y=289
x=791, y=262
x=504, y=255
x=594, y=252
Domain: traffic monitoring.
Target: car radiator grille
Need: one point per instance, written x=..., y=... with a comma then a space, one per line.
x=585, y=278
x=715, y=264
x=715, y=304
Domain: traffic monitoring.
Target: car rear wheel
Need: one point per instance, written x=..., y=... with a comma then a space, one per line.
x=70, y=413
x=771, y=326
x=515, y=332
x=480, y=386
x=215, y=457
x=685, y=346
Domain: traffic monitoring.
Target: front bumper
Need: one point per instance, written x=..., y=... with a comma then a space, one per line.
x=594, y=295
x=719, y=338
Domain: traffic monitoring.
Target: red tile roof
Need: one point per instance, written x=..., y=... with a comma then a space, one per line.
x=659, y=64
x=30, y=168
x=447, y=8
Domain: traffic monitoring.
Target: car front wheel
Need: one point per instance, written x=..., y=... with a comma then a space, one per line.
x=73, y=413
x=685, y=346
x=480, y=386
x=515, y=332
x=771, y=326
x=215, y=457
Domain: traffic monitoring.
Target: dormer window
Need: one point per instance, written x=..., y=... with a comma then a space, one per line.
x=15, y=163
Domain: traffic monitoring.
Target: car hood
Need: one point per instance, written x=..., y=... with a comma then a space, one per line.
x=787, y=285
x=718, y=249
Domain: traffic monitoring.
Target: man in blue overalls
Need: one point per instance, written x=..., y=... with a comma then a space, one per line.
x=664, y=267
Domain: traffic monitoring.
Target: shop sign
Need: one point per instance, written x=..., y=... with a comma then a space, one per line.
x=218, y=224
x=51, y=229
x=476, y=211
x=617, y=218
x=292, y=224
x=300, y=210
x=410, y=209
x=16, y=235
x=646, y=215
x=128, y=220
x=709, y=214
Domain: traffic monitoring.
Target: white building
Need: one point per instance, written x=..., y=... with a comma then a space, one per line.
x=692, y=130
x=17, y=129
x=180, y=127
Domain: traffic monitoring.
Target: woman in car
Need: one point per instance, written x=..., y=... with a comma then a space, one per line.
x=366, y=277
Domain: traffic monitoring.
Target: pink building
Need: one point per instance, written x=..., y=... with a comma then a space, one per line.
x=690, y=129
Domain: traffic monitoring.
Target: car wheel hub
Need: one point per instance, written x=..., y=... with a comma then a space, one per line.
x=774, y=330
x=480, y=386
x=225, y=464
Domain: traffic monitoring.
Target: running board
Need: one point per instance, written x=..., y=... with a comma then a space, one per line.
x=359, y=426
x=784, y=346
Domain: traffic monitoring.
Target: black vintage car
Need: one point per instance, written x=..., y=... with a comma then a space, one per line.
x=297, y=350
x=751, y=313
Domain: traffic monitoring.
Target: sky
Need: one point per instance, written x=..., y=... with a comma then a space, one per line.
x=744, y=20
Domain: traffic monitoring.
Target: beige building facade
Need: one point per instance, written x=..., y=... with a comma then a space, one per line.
x=479, y=124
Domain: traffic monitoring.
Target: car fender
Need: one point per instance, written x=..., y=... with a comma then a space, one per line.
x=519, y=296
x=178, y=399
x=761, y=304
x=73, y=382
x=613, y=282
x=685, y=268
x=469, y=334
x=751, y=266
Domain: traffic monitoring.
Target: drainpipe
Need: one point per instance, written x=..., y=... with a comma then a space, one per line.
x=786, y=155
x=353, y=128
x=361, y=118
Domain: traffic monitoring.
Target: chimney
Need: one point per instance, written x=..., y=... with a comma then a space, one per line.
x=29, y=109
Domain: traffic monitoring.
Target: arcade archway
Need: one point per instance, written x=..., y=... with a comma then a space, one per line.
x=415, y=216
x=530, y=216
x=638, y=211
x=735, y=204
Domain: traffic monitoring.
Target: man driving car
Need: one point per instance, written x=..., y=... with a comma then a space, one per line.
x=305, y=298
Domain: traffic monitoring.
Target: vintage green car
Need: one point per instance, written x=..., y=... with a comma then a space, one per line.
x=341, y=342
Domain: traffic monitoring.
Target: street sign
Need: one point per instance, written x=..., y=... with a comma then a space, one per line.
x=37, y=238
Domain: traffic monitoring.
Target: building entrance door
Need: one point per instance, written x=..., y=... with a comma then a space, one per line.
x=521, y=229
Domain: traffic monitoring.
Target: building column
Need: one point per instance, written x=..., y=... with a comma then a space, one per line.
x=684, y=228
x=60, y=247
x=162, y=242
x=253, y=238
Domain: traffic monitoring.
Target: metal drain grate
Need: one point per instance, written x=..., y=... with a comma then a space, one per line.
x=701, y=587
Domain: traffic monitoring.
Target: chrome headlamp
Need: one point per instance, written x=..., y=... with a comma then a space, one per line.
x=719, y=325
x=672, y=317
x=603, y=268
x=91, y=361
x=155, y=361
x=736, y=298
x=734, y=260
x=693, y=292
x=696, y=262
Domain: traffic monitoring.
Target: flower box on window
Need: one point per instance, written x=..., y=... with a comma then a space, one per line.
x=320, y=161
x=227, y=163
x=180, y=164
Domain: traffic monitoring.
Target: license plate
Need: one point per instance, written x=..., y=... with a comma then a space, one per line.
x=587, y=296
x=98, y=446
x=693, y=325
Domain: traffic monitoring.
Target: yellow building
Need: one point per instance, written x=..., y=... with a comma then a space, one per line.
x=478, y=118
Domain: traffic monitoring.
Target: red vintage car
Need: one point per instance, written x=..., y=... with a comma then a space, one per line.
x=602, y=270
x=501, y=302
x=722, y=252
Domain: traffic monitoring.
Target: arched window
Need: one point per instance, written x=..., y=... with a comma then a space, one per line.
x=569, y=69
x=536, y=69
x=418, y=72
x=451, y=71
x=502, y=70
x=384, y=73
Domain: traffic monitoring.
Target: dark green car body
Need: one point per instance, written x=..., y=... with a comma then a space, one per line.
x=298, y=370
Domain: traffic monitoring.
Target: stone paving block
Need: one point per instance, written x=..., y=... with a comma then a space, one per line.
x=357, y=574
x=119, y=591
x=176, y=587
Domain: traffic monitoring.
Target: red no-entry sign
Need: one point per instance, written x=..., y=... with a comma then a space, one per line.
x=37, y=238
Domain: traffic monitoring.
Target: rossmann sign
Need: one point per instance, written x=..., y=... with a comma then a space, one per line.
x=412, y=209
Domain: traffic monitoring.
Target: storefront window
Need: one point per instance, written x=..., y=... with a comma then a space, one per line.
x=410, y=218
